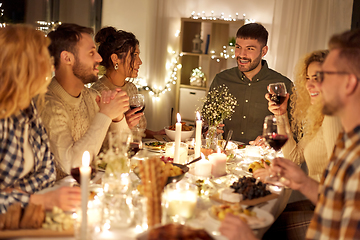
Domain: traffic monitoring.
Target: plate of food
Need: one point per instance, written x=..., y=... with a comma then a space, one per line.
x=155, y=145
x=255, y=218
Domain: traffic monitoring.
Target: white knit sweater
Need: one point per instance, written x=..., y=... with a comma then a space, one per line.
x=74, y=125
x=318, y=150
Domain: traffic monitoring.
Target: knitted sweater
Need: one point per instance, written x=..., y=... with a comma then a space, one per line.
x=74, y=125
x=104, y=84
x=318, y=150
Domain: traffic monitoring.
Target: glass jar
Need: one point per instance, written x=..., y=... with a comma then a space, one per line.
x=211, y=138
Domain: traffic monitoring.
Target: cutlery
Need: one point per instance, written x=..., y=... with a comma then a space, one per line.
x=165, y=139
x=195, y=160
x=228, y=138
x=251, y=207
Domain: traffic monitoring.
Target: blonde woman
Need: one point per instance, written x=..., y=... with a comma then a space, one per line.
x=26, y=163
x=121, y=59
x=316, y=135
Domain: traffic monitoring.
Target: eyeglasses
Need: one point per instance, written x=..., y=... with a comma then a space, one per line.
x=320, y=74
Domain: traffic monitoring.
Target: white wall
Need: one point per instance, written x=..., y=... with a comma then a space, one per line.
x=155, y=23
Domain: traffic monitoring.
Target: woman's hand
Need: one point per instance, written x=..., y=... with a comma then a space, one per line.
x=275, y=108
x=66, y=198
x=259, y=141
x=133, y=118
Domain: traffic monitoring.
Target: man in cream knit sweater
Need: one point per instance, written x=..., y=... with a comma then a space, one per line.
x=77, y=118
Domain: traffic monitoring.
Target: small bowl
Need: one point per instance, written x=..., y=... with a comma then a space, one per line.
x=184, y=134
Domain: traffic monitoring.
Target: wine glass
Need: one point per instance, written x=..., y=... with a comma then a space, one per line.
x=275, y=133
x=277, y=92
x=137, y=100
x=136, y=141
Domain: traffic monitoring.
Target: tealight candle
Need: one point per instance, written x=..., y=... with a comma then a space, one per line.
x=85, y=171
x=203, y=167
x=198, y=136
x=177, y=139
x=218, y=161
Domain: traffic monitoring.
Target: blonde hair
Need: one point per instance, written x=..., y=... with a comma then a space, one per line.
x=306, y=117
x=25, y=67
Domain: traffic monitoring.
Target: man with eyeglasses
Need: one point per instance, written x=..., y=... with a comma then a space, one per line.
x=337, y=196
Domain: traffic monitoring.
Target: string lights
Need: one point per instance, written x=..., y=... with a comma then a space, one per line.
x=47, y=27
x=227, y=52
x=2, y=21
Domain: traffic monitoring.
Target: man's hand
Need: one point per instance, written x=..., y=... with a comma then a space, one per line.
x=235, y=229
x=113, y=103
x=291, y=175
x=277, y=109
x=133, y=119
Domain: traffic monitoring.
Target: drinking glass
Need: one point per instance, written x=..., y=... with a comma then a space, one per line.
x=136, y=141
x=277, y=92
x=135, y=101
x=275, y=133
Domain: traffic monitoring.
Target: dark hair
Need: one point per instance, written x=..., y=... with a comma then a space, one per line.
x=64, y=38
x=253, y=31
x=349, y=45
x=115, y=41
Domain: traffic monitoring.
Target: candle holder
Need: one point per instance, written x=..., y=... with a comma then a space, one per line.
x=179, y=202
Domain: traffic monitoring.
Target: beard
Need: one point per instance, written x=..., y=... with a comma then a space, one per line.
x=331, y=109
x=83, y=73
x=253, y=63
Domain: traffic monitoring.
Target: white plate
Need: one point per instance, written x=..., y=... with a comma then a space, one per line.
x=154, y=149
x=266, y=220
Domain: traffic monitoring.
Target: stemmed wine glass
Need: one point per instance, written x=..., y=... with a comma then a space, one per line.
x=275, y=133
x=277, y=92
x=137, y=100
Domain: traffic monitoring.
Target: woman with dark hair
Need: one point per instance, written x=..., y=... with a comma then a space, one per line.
x=121, y=58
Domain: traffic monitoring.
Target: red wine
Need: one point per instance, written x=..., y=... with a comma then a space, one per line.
x=134, y=148
x=276, y=141
x=75, y=173
x=136, y=106
x=277, y=98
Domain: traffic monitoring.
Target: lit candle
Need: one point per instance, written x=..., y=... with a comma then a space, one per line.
x=85, y=171
x=177, y=139
x=198, y=136
x=203, y=167
x=218, y=161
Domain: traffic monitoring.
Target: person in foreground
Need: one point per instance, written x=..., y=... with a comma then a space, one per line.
x=26, y=163
x=337, y=213
x=248, y=83
x=76, y=118
x=121, y=58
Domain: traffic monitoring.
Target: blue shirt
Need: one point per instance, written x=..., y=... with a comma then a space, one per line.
x=12, y=158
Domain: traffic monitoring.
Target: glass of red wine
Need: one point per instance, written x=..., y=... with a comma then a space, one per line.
x=275, y=133
x=277, y=92
x=136, y=101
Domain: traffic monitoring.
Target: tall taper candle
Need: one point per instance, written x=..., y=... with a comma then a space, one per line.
x=177, y=139
x=85, y=171
x=198, y=135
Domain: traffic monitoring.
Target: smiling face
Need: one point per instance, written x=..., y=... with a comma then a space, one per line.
x=332, y=85
x=312, y=84
x=248, y=53
x=127, y=69
x=87, y=59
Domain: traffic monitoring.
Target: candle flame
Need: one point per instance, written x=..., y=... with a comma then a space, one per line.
x=178, y=117
x=86, y=159
x=218, y=150
x=198, y=116
x=202, y=156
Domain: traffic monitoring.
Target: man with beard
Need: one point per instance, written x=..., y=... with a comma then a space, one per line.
x=248, y=83
x=337, y=211
x=75, y=117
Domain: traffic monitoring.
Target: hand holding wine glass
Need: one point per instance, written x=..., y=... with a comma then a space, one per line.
x=278, y=93
x=276, y=134
x=136, y=101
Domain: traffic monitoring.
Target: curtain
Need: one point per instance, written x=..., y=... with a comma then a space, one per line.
x=302, y=26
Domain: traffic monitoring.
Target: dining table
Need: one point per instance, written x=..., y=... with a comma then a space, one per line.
x=236, y=168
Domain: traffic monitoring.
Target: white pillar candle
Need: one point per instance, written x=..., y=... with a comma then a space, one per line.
x=85, y=171
x=198, y=136
x=203, y=167
x=218, y=161
x=177, y=139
